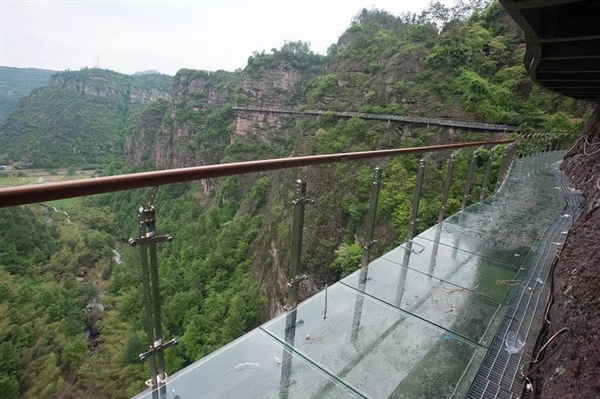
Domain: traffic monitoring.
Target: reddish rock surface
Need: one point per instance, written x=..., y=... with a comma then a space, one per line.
x=573, y=372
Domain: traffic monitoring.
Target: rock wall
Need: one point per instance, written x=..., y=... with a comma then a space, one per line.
x=574, y=371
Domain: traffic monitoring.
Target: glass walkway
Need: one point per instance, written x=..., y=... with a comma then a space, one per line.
x=416, y=323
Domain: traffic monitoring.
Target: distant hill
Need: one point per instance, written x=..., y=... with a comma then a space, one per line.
x=79, y=118
x=149, y=72
x=16, y=83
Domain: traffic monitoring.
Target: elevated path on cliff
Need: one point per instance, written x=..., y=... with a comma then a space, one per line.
x=417, y=120
x=432, y=318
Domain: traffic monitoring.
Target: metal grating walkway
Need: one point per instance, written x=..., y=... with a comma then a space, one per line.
x=500, y=375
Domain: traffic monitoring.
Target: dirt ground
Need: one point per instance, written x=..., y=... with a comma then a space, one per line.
x=573, y=372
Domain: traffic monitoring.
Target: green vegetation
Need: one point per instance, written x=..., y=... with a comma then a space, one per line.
x=17, y=83
x=296, y=55
x=222, y=274
x=465, y=55
x=78, y=119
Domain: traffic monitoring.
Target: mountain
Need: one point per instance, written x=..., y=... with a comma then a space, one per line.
x=16, y=83
x=226, y=268
x=79, y=118
x=148, y=72
x=383, y=64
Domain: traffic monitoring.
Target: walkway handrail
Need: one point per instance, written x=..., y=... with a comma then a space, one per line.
x=13, y=196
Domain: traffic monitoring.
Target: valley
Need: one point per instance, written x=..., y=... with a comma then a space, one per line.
x=225, y=272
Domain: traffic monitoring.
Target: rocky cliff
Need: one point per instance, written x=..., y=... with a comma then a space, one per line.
x=573, y=371
x=381, y=64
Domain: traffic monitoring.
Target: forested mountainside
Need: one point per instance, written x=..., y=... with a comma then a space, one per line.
x=78, y=118
x=226, y=269
x=16, y=83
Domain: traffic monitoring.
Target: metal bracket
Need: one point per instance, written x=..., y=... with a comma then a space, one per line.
x=293, y=326
x=158, y=346
x=148, y=240
x=303, y=201
x=151, y=195
x=369, y=244
x=297, y=279
x=414, y=251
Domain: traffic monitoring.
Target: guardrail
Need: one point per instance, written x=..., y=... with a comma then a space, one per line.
x=523, y=146
x=78, y=188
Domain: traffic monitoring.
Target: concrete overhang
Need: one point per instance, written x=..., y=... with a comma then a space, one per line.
x=563, y=44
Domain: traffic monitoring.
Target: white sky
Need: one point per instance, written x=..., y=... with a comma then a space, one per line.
x=166, y=36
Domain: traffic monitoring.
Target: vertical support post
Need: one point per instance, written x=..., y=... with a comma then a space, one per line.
x=486, y=178
x=297, y=230
x=503, y=163
x=554, y=142
x=548, y=145
x=416, y=199
x=512, y=149
x=562, y=140
x=526, y=145
x=434, y=251
x=299, y=202
x=538, y=143
x=362, y=277
x=533, y=143
x=150, y=221
x=375, y=188
x=447, y=184
x=147, y=243
x=147, y=300
x=286, y=363
x=467, y=191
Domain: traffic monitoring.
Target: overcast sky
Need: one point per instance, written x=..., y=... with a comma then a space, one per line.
x=166, y=36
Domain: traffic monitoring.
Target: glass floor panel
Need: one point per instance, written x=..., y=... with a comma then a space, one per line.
x=439, y=302
x=378, y=349
x=511, y=253
x=456, y=266
x=254, y=366
x=524, y=203
x=527, y=233
x=511, y=214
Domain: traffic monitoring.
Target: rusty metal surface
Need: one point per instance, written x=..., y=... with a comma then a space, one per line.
x=78, y=188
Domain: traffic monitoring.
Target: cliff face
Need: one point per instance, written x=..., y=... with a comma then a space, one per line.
x=574, y=371
x=377, y=66
x=108, y=84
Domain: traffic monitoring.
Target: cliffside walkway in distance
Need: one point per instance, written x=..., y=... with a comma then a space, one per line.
x=418, y=120
x=435, y=317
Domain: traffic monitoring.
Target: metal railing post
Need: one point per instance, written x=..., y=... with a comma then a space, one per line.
x=512, y=149
x=366, y=255
x=293, y=284
x=447, y=184
x=147, y=300
x=503, y=163
x=486, y=177
x=554, y=145
x=467, y=191
x=150, y=281
x=375, y=188
x=562, y=140
x=287, y=357
x=416, y=199
x=299, y=202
